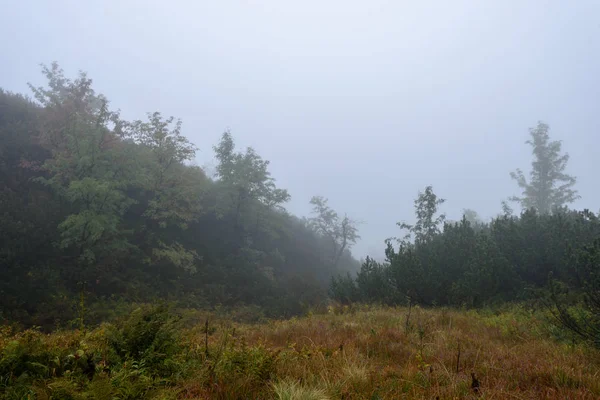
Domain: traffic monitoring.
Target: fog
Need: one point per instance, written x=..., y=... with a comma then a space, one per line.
x=365, y=103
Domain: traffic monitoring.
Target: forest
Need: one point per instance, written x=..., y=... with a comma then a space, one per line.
x=108, y=221
x=116, y=212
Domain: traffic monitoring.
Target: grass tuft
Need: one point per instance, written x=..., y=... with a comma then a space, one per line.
x=291, y=390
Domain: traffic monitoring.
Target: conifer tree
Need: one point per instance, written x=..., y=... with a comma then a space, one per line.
x=549, y=186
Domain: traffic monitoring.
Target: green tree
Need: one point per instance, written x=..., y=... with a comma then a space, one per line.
x=485, y=274
x=87, y=197
x=249, y=181
x=373, y=282
x=472, y=216
x=343, y=289
x=171, y=191
x=507, y=210
x=585, y=323
x=29, y=217
x=549, y=186
x=341, y=233
x=88, y=169
x=407, y=274
x=428, y=223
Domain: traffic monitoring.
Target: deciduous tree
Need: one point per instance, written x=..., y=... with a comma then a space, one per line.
x=428, y=223
x=342, y=233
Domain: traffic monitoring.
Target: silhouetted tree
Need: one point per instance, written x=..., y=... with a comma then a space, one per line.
x=549, y=187
x=427, y=225
x=341, y=233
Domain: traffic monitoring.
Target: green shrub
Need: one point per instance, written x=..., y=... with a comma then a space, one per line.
x=132, y=381
x=150, y=337
x=256, y=363
x=26, y=353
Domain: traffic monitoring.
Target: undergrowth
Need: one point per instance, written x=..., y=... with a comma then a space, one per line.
x=352, y=352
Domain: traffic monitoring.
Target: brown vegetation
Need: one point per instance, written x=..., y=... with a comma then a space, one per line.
x=356, y=353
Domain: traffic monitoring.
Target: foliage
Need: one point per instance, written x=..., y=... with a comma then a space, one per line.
x=549, y=187
x=84, y=171
x=343, y=288
x=341, y=233
x=350, y=353
x=473, y=265
x=372, y=281
x=148, y=337
x=583, y=322
x=250, y=185
x=427, y=225
x=99, y=212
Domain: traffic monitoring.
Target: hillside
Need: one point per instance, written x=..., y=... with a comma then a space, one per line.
x=116, y=211
x=100, y=215
x=299, y=200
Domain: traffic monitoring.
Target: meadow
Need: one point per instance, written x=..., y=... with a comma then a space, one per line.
x=356, y=352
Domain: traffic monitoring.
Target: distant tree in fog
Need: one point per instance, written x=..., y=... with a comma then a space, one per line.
x=548, y=187
x=342, y=233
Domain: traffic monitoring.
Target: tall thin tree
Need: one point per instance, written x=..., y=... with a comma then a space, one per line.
x=548, y=187
x=427, y=224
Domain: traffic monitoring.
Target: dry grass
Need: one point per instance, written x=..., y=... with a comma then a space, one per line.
x=369, y=354
x=290, y=390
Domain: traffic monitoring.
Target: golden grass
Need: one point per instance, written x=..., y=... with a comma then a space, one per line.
x=370, y=354
x=290, y=390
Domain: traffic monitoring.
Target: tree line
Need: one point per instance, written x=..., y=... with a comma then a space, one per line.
x=109, y=211
x=507, y=259
x=98, y=212
x=548, y=253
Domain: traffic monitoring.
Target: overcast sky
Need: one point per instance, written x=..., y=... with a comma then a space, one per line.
x=363, y=102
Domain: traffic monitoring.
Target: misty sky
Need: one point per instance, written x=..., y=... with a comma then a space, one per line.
x=364, y=102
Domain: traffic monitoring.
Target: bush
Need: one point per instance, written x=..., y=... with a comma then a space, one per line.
x=256, y=363
x=149, y=337
x=583, y=321
x=26, y=353
x=129, y=360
